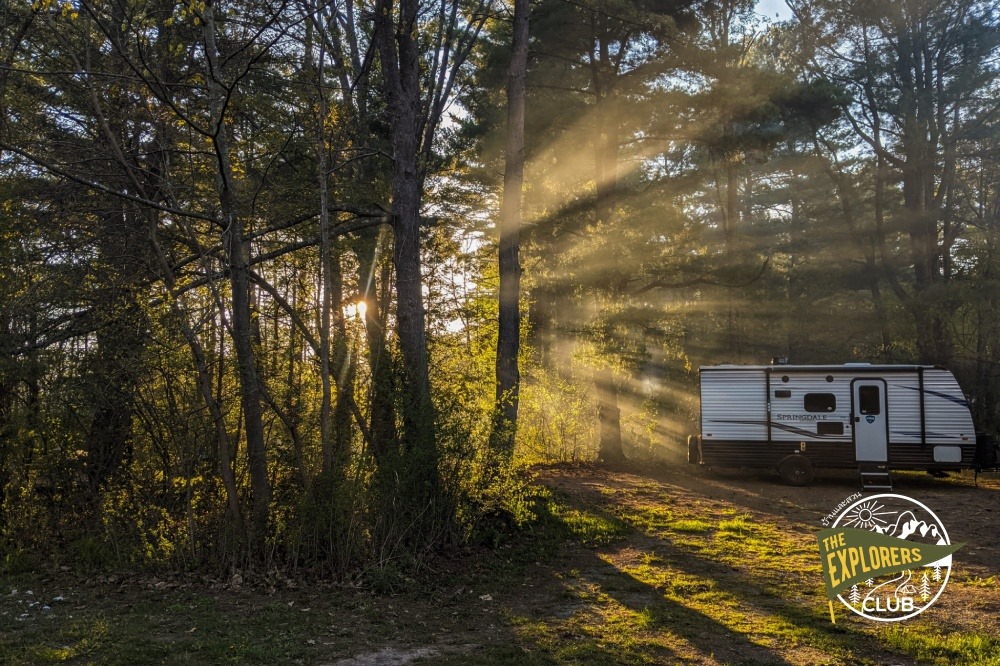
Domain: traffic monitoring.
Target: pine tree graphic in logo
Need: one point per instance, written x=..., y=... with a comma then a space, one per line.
x=904, y=593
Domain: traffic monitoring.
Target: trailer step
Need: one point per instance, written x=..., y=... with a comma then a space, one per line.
x=874, y=476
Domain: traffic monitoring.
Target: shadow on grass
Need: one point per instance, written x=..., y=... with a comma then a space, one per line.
x=718, y=609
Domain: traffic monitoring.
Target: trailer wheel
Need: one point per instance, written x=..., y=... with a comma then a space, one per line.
x=796, y=471
x=694, y=453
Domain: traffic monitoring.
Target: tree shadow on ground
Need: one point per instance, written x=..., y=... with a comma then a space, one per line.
x=710, y=609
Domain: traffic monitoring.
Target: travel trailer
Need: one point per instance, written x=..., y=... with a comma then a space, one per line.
x=874, y=418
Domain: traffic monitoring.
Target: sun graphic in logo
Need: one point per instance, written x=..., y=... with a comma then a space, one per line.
x=866, y=516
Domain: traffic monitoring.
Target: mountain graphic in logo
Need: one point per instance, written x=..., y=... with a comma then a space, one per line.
x=907, y=525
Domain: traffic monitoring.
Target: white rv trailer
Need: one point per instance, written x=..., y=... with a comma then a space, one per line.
x=794, y=418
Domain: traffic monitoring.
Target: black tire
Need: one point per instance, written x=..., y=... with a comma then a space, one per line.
x=694, y=453
x=796, y=471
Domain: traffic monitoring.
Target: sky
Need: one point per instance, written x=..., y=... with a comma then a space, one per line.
x=771, y=7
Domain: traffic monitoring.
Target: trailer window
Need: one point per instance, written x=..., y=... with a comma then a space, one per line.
x=869, y=400
x=820, y=402
x=829, y=428
x=782, y=393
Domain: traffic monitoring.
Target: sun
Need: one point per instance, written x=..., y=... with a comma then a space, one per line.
x=866, y=516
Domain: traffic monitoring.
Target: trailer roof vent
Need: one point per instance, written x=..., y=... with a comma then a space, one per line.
x=857, y=365
x=779, y=360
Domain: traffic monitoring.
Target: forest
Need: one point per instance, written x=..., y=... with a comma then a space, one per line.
x=308, y=284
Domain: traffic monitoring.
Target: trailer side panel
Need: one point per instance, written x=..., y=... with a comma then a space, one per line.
x=756, y=416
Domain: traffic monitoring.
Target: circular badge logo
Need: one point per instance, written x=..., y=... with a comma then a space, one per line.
x=902, y=594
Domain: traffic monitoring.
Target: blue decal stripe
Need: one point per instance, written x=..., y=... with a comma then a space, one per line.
x=917, y=434
x=958, y=401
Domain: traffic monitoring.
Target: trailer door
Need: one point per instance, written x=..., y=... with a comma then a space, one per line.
x=871, y=432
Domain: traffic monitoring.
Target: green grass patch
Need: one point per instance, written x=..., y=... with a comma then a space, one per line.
x=690, y=525
x=979, y=581
x=608, y=634
x=929, y=646
x=557, y=520
x=653, y=519
x=592, y=529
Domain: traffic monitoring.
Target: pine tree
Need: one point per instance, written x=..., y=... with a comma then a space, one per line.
x=925, y=587
x=855, y=596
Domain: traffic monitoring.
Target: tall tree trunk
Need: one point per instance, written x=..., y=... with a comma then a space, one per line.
x=985, y=412
x=119, y=350
x=236, y=253
x=608, y=418
x=732, y=215
x=604, y=82
x=343, y=364
x=327, y=297
x=400, y=60
x=920, y=144
x=293, y=388
x=508, y=375
x=110, y=433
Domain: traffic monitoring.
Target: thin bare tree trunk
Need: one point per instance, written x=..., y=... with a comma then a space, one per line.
x=204, y=379
x=326, y=270
x=377, y=296
x=604, y=83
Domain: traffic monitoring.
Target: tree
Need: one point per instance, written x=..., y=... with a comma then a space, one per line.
x=417, y=89
x=509, y=317
x=915, y=71
x=590, y=62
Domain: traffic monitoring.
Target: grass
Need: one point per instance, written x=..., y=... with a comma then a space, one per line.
x=690, y=525
x=979, y=581
x=730, y=570
x=591, y=529
x=144, y=628
x=929, y=645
